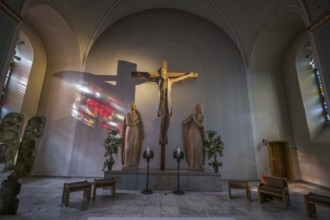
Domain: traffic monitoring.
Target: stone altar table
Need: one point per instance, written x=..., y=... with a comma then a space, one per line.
x=166, y=180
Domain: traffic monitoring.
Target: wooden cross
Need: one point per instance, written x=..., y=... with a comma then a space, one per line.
x=155, y=75
x=165, y=80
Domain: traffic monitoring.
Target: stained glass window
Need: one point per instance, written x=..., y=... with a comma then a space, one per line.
x=5, y=85
x=319, y=84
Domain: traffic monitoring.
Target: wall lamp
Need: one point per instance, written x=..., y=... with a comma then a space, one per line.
x=264, y=142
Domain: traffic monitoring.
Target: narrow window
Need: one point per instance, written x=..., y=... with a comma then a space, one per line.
x=5, y=85
x=319, y=85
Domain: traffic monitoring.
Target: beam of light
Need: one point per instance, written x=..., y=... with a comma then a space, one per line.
x=96, y=108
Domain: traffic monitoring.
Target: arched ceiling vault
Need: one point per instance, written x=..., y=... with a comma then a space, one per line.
x=73, y=26
x=274, y=39
x=60, y=42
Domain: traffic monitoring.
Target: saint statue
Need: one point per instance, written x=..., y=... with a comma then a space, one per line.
x=133, y=135
x=193, y=139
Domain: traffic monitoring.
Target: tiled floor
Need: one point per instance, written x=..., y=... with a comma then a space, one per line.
x=40, y=198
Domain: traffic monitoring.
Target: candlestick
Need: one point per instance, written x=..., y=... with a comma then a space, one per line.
x=148, y=154
x=178, y=155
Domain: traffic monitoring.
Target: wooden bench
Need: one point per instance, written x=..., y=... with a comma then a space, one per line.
x=271, y=187
x=75, y=187
x=313, y=199
x=239, y=184
x=103, y=183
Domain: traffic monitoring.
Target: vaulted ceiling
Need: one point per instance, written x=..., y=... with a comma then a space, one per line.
x=73, y=26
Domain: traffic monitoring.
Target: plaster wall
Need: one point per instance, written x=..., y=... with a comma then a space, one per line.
x=141, y=42
x=55, y=151
x=37, y=72
x=312, y=142
x=269, y=105
x=270, y=122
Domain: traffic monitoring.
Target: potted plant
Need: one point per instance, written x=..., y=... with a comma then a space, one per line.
x=214, y=147
x=111, y=144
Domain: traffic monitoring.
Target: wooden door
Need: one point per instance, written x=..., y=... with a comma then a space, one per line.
x=277, y=159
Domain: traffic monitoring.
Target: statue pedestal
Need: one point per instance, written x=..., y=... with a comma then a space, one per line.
x=166, y=180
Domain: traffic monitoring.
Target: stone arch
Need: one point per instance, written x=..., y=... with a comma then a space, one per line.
x=61, y=44
x=269, y=106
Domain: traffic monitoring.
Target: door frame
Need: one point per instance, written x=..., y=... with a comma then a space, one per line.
x=287, y=159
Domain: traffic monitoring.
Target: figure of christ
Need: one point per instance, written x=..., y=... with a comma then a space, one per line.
x=165, y=80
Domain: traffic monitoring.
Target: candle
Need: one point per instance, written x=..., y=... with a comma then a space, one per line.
x=148, y=150
x=178, y=150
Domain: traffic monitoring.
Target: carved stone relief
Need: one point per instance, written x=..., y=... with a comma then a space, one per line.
x=27, y=152
x=10, y=131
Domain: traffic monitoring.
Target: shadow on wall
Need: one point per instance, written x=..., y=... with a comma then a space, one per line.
x=102, y=100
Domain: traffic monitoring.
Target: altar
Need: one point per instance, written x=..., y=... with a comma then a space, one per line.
x=166, y=180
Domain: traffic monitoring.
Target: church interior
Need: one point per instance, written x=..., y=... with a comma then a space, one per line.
x=263, y=81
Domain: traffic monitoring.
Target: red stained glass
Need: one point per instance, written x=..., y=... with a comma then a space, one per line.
x=99, y=110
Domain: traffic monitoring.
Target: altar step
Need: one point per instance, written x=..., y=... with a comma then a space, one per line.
x=166, y=180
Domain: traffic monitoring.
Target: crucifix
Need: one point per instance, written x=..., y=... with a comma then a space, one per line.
x=165, y=80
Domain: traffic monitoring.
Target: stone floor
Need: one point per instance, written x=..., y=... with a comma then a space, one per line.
x=40, y=198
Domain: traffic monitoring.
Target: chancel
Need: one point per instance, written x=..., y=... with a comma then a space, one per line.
x=244, y=95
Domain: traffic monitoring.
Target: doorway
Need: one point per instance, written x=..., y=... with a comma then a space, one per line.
x=279, y=155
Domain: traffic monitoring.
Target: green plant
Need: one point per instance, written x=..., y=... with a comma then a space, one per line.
x=111, y=144
x=214, y=148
